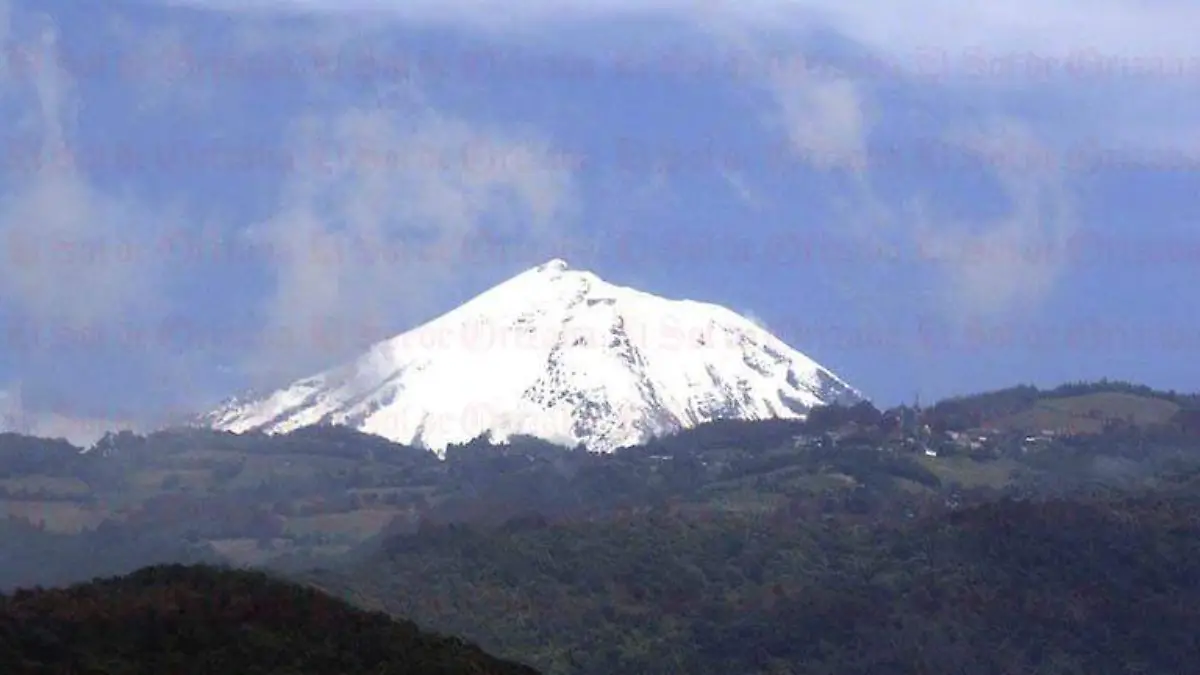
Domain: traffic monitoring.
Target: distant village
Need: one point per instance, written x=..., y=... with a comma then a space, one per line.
x=904, y=430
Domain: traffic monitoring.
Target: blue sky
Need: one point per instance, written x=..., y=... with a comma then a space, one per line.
x=199, y=197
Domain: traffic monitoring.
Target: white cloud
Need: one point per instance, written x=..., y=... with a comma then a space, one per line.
x=1114, y=49
x=821, y=112
x=995, y=267
x=756, y=320
x=1046, y=28
x=66, y=243
x=77, y=259
x=161, y=67
x=1043, y=26
x=364, y=240
x=987, y=268
x=827, y=116
x=374, y=218
x=737, y=183
x=5, y=27
x=81, y=432
x=824, y=118
x=10, y=410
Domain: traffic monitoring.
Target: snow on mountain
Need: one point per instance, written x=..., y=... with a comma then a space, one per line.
x=558, y=354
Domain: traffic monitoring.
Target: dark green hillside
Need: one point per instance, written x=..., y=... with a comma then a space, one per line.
x=1102, y=584
x=204, y=620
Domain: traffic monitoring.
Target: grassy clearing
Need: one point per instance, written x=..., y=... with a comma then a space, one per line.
x=1087, y=413
x=55, y=516
x=360, y=524
x=54, y=486
x=970, y=473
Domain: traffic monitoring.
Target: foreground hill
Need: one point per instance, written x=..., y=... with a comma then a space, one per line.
x=203, y=620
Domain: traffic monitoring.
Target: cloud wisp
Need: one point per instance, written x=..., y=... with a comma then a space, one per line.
x=1008, y=264
x=62, y=271
x=362, y=240
x=919, y=29
x=52, y=216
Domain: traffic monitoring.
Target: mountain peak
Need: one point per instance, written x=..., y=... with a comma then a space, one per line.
x=575, y=361
x=553, y=265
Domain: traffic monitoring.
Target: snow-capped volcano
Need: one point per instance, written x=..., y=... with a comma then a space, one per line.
x=561, y=355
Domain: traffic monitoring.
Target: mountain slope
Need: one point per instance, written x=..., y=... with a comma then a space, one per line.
x=561, y=355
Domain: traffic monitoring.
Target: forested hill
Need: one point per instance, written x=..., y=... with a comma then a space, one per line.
x=311, y=497
x=182, y=620
x=1070, y=404
x=1099, y=584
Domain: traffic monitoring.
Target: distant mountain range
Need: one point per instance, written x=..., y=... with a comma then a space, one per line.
x=557, y=354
